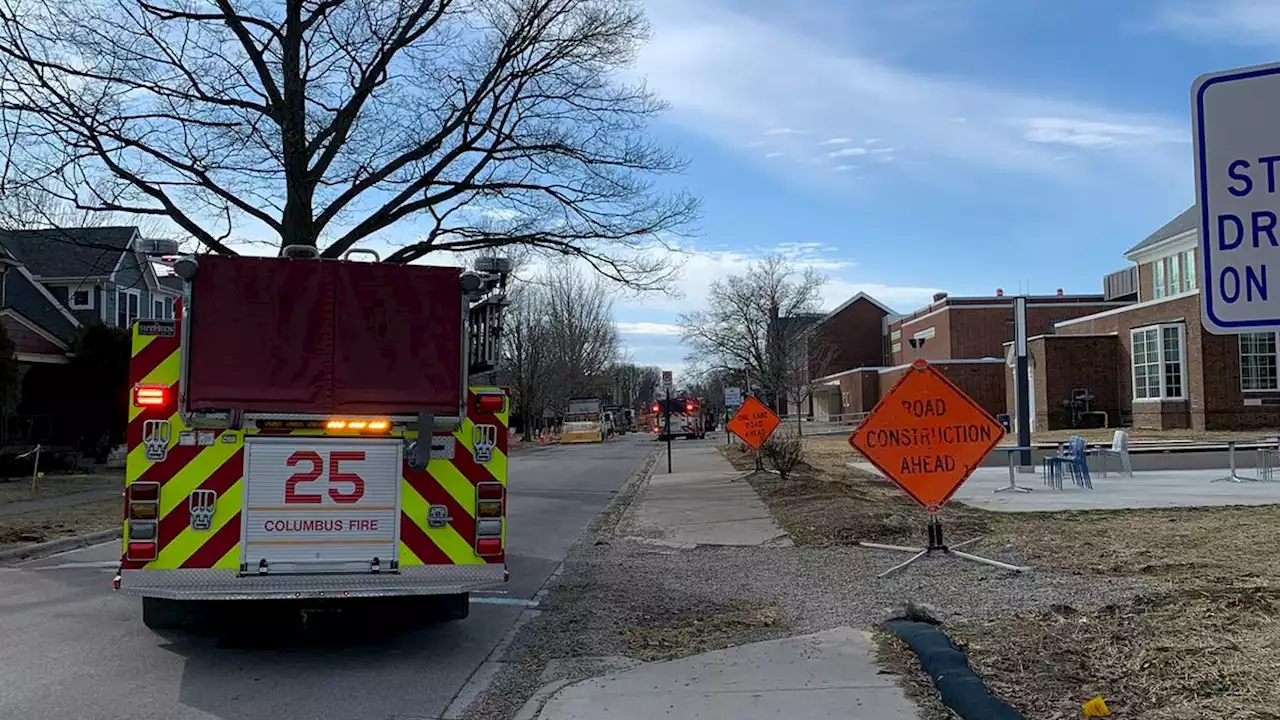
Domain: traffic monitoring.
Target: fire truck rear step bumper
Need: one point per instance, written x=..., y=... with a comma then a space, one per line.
x=227, y=585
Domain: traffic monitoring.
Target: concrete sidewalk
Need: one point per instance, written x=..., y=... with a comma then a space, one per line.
x=704, y=501
x=827, y=675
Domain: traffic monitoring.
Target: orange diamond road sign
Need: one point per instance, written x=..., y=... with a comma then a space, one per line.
x=927, y=436
x=754, y=422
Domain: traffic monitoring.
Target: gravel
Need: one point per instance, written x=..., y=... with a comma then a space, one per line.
x=608, y=591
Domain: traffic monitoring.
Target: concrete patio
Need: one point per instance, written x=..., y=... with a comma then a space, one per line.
x=1146, y=489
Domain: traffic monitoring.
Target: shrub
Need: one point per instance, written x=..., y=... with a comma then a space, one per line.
x=783, y=454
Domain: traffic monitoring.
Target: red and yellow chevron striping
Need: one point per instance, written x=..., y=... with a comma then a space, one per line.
x=215, y=460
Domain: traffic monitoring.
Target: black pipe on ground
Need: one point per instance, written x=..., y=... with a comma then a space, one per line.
x=961, y=689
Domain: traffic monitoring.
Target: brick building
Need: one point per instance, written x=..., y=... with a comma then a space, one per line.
x=853, y=335
x=963, y=336
x=1150, y=364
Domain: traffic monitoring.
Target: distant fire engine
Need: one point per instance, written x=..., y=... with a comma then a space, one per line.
x=686, y=418
x=304, y=430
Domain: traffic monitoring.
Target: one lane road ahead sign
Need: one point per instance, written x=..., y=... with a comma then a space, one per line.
x=1235, y=123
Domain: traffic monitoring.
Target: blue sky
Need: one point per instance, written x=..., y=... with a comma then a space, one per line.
x=911, y=146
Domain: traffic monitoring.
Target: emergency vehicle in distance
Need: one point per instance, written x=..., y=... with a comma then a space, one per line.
x=686, y=418
x=303, y=430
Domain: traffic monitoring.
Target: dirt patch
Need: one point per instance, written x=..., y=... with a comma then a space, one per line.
x=19, y=489
x=54, y=524
x=1205, y=643
x=666, y=637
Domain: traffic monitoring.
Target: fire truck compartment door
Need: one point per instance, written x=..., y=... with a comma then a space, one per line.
x=317, y=505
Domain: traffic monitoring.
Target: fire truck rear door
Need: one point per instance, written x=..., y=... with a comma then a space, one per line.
x=316, y=505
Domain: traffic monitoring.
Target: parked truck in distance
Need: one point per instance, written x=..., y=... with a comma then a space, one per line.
x=583, y=421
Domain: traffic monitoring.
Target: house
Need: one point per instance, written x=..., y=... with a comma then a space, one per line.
x=1150, y=364
x=964, y=337
x=54, y=282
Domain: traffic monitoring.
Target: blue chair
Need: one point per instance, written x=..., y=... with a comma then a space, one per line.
x=1074, y=460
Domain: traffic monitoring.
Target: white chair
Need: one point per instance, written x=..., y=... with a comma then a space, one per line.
x=1119, y=448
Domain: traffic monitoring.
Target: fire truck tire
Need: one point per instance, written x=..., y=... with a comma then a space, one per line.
x=455, y=607
x=163, y=614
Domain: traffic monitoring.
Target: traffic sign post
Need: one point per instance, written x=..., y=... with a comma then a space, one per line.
x=1234, y=115
x=927, y=437
x=754, y=423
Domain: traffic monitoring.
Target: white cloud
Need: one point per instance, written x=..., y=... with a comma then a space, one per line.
x=649, y=328
x=1238, y=22
x=774, y=155
x=836, y=141
x=847, y=152
x=1093, y=135
x=881, y=151
x=784, y=131
x=872, y=141
x=731, y=76
x=846, y=168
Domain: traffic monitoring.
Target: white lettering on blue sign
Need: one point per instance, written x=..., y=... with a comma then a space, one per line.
x=1237, y=148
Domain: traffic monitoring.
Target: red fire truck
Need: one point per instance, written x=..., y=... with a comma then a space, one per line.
x=305, y=430
x=686, y=418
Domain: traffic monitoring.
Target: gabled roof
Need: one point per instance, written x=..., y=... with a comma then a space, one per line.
x=1188, y=219
x=861, y=296
x=172, y=282
x=69, y=252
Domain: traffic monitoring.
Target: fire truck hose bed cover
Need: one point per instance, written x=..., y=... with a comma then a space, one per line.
x=249, y=316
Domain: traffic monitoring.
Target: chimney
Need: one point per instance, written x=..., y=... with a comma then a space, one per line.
x=999, y=292
x=939, y=297
x=1059, y=292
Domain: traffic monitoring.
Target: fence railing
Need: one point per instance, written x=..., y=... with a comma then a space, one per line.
x=829, y=425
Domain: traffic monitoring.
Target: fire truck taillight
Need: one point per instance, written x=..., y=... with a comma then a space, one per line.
x=688, y=407
x=490, y=402
x=142, y=510
x=150, y=395
x=490, y=497
x=655, y=408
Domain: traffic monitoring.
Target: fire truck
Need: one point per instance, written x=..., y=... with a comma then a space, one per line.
x=305, y=430
x=686, y=418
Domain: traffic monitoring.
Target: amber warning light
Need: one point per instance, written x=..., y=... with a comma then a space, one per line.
x=150, y=396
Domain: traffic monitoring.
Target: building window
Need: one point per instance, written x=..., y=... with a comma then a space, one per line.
x=1258, y=362
x=895, y=348
x=157, y=309
x=895, y=336
x=1158, y=279
x=1175, y=277
x=1189, y=270
x=127, y=305
x=81, y=299
x=1159, y=369
x=168, y=308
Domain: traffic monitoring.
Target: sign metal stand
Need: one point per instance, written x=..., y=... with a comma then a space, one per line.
x=938, y=545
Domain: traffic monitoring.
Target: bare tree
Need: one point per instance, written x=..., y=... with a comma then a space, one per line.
x=809, y=358
x=579, y=312
x=751, y=321
x=325, y=123
x=559, y=340
x=528, y=354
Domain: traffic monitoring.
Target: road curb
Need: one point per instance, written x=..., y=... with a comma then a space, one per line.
x=56, y=546
x=614, y=514
x=530, y=709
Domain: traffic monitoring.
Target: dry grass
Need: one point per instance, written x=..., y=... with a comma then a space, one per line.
x=19, y=489
x=1207, y=645
x=666, y=637
x=44, y=525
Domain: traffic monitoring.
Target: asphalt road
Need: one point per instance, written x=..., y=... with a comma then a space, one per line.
x=71, y=649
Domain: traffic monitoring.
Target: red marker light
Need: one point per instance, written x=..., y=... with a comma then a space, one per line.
x=490, y=403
